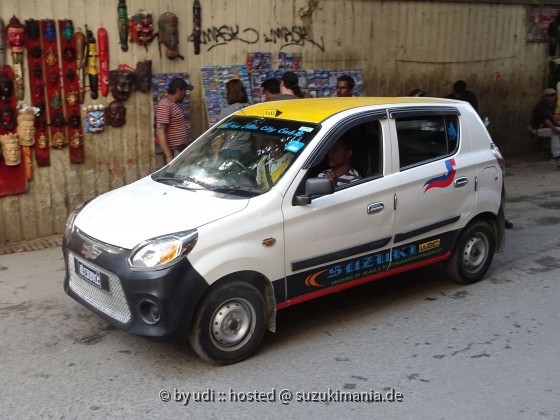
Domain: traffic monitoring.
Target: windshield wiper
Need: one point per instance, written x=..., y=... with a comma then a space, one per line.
x=243, y=191
x=167, y=179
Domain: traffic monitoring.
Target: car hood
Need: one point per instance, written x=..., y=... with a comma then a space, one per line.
x=146, y=209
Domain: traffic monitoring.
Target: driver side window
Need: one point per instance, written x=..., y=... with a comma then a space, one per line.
x=354, y=155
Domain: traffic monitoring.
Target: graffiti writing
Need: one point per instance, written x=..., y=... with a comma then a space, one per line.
x=296, y=35
x=222, y=35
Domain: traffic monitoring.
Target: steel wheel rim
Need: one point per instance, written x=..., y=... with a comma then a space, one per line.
x=475, y=253
x=233, y=324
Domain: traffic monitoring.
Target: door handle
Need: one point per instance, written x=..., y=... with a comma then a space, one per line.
x=460, y=182
x=375, y=208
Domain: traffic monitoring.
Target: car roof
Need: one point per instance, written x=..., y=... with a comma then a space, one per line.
x=316, y=110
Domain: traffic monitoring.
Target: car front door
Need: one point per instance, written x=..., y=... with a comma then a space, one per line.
x=344, y=238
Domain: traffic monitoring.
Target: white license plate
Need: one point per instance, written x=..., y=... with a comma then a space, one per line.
x=91, y=275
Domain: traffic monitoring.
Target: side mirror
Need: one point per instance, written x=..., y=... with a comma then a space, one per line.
x=314, y=187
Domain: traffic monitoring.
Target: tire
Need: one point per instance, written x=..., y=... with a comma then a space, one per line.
x=473, y=254
x=229, y=324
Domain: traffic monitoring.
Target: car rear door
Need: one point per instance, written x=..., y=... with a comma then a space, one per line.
x=435, y=183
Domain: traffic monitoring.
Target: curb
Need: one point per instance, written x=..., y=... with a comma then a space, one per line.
x=32, y=245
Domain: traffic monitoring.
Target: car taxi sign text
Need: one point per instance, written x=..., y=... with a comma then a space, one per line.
x=271, y=112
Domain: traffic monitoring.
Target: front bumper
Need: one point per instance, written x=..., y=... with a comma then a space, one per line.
x=151, y=303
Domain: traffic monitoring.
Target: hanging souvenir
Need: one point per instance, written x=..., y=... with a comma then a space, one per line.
x=141, y=28
x=7, y=100
x=2, y=43
x=26, y=136
x=94, y=118
x=92, y=64
x=15, y=33
x=11, y=150
x=123, y=25
x=197, y=25
x=103, y=42
x=143, y=76
x=121, y=83
x=71, y=91
x=37, y=90
x=7, y=118
x=12, y=173
x=168, y=35
x=6, y=88
x=116, y=114
x=52, y=83
x=81, y=47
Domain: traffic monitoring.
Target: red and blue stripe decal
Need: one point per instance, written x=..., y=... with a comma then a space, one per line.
x=445, y=180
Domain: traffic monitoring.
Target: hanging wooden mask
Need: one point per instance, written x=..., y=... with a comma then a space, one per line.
x=168, y=35
x=6, y=88
x=121, y=83
x=142, y=28
x=116, y=114
x=11, y=150
x=94, y=119
x=143, y=76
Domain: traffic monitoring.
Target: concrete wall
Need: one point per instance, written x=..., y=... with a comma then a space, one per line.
x=399, y=45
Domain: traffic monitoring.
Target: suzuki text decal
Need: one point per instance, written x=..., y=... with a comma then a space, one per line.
x=337, y=274
x=442, y=181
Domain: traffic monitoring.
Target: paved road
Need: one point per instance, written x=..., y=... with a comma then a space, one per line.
x=486, y=351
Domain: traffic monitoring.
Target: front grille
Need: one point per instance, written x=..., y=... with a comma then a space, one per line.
x=112, y=302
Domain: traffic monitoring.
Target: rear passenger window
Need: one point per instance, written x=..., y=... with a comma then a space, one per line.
x=427, y=138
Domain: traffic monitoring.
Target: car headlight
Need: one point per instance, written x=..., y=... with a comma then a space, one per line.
x=160, y=252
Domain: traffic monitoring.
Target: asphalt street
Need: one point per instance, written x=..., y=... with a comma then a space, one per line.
x=446, y=351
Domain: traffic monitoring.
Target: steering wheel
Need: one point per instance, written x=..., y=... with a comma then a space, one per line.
x=244, y=170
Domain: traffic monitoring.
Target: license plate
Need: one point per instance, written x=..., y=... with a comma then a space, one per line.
x=91, y=275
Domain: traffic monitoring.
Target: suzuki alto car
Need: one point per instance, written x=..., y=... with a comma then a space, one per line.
x=244, y=223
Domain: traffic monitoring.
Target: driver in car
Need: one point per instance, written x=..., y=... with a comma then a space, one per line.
x=273, y=163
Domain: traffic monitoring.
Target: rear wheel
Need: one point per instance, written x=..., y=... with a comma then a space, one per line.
x=473, y=255
x=229, y=324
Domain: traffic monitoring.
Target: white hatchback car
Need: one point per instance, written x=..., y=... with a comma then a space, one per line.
x=247, y=220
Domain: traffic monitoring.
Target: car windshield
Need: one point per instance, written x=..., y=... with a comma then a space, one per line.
x=242, y=155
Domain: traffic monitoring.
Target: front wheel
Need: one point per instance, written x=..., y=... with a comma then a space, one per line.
x=473, y=254
x=229, y=324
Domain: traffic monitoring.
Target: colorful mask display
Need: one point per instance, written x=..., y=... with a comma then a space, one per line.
x=141, y=27
x=11, y=150
x=169, y=35
x=121, y=83
x=94, y=118
x=116, y=114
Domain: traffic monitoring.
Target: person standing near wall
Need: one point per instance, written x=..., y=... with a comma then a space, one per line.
x=271, y=89
x=289, y=88
x=171, y=125
x=542, y=121
x=345, y=86
x=236, y=97
x=461, y=93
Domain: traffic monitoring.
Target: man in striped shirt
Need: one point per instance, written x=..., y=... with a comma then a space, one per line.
x=171, y=125
x=340, y=161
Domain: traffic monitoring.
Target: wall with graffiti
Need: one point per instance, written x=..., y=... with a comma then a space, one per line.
x=83, y=69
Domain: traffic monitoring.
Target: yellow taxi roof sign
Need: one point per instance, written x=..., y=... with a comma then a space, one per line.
x=272, y=112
